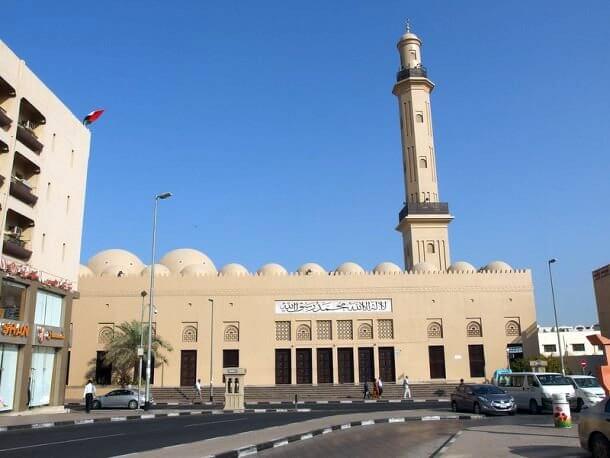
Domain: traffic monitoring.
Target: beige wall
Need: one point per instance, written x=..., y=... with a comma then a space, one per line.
x=248, y=301
x=601, y=285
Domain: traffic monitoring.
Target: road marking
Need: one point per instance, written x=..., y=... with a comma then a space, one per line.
x=367, y=422
x=395, y=400
x=327, y=430
x=60, y=442
x=303, y=410
x=260, y=410
x=247, y=450
x=321, y=402
x=84, y=422
x=396, y=420
x=118, y=418
x=419, y=400
x=345, y=402
x=42, y=425
x=430, y=418
x=346, y=426
x=173, y=414
x=147, y=416
x=280, y=444
x=214, y=422
x=281, y=410
x=306, y=436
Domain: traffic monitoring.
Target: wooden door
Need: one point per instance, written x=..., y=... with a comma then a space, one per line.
x=282, y=367
x=387, y=367
x=103, y=371
x=325, y=365
x=476, y=357
x=303, y=365
x=230, y=358
x=345, y=358
x=188, y=367
x=436, y=355
x=366, y=370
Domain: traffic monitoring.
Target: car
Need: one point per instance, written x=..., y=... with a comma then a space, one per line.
x=124, y=398
x=534, y=390
x=482, y=398
x=594, y=429
x=588, y=391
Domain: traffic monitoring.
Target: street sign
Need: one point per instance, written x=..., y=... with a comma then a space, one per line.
x=583, y=363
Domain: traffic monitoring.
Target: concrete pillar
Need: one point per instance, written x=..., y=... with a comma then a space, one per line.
x=314, y=366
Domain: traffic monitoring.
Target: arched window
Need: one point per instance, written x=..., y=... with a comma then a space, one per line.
x=303, y=332
x=512, y=328
x=189, y=334
x=435, y=330
x=231, y=333
x=105, y=335
x=430, y=248
x=365, y=331
x=419, y=116
x=473, y=329
x=423, y=163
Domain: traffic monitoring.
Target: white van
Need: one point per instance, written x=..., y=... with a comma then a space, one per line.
x=588, y=390
x=534, y=390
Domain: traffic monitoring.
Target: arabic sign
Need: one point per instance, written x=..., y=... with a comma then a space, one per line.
x=335, y=306
x=14, y=331
x=49, y=336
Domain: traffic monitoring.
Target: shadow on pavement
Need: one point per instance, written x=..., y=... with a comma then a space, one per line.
x=547, y=451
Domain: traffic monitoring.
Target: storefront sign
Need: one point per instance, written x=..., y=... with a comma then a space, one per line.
x=14, y=331
x=49, y=336
x=335, y=306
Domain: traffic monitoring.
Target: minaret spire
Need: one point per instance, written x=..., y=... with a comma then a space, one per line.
x=408, y=25
x=424, y=220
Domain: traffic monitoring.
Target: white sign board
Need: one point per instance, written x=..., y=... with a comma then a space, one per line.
x=335, y=306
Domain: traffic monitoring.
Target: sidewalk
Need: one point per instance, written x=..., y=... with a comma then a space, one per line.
x=250, y=442
x=514, y=440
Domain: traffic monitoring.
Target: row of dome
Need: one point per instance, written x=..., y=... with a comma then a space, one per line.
x=193, y=263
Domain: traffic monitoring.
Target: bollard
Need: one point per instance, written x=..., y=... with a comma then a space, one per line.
x=561, y=411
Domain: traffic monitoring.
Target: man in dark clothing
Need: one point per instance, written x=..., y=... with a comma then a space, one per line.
x=365, y=391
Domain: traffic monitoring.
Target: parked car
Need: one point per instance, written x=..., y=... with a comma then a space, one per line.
x=534, y=390
x=488, y=399
x=125, y=398
x=594, y=429
x=588, y=391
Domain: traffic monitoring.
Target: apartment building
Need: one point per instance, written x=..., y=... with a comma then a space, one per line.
x=44, y=152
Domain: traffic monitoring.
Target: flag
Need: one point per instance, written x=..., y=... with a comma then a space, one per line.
x=92, y=117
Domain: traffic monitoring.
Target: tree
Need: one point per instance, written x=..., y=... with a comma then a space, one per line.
x=523, y=365
x=122, y=352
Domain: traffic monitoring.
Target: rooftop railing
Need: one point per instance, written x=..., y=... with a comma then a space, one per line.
x=424, y=208
x=415, y=72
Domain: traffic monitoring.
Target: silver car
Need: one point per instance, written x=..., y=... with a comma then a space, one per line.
x=488, y=399
x=594, y=429
x=123, y=398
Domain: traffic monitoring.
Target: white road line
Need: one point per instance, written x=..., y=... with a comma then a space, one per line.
x=321, y=402
x=327, y=430
x=246, y=451
x=43, y=425
x=396, y=420
x=280, y=444
x=303, y=410
x=430, y=418
x=367, y=422
x=346, y=426
x=260, y=410
x=306, y=436
x=83, y=422
x=173, y=414
x=60, y=442
x=213, y=422
x=118, y=419
x=345, y=402
x=395, y=400
x=147, y=416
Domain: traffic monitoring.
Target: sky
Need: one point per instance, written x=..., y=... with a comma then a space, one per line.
x=274, y=126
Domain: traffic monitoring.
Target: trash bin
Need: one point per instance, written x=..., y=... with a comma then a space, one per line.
x=561, y=411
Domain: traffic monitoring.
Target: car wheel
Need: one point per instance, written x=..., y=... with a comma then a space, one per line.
x=96, y=405
x=579, y=405
x=533, y=407
x=476, y=408
x=132, y=404
x=599, y=446
x=454, y=406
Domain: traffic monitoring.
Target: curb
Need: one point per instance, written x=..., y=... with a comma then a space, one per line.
x=144, y=416
x=280, y=442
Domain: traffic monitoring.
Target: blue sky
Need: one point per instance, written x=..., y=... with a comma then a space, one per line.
x=273, y=124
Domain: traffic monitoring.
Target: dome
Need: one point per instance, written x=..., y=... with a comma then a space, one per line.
x=424, y=268
x=461, y=266
x=349, y=268
x=387, y=268
x=176, y=260
x=128, y=262
x=198, y=270
x=497, y=266
x=409, y=36
x=311, y=268
x=234, y=270
x=272, y=269
x=84, y=272
x=113, y=271
x=160, y=271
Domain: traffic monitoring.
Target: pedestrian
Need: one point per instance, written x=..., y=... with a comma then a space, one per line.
x=380, y=387
x=88, y=395
x=406, y=389
x=198, y=388
x=461, y=382
x=375, y=389
x=365, y=391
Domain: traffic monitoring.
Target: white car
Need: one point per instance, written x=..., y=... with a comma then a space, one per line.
x=588, y=391
x=534, y=390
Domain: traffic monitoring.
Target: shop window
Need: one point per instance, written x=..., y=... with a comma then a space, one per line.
x=8, y=372
x=49, y=308
x=12, y=300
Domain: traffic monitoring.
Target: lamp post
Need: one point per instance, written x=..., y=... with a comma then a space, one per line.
x=553, y=261
x=141, y=347
x=211, y=301
x=158, y=197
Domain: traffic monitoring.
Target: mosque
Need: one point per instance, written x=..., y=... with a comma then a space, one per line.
x=433, y=321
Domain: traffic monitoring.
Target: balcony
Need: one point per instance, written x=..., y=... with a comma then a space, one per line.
x=5, y=120
x=424, y=208
x=26, y=135
x=22, y=191
x=416, y=72
x=15, y=247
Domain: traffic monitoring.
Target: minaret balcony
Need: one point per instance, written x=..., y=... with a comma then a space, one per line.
x=415, y=72
x=424, y=208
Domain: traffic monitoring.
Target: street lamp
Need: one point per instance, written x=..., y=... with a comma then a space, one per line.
x=211, y=301
x=158, y=197
x=141, y=347
x=553, y=261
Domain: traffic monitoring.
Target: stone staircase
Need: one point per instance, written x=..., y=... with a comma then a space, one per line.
x=321, y=392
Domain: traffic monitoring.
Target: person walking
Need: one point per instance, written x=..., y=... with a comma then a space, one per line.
x=88, y=395
x=365, y=391
x=380, y=387
x=406, y=389
x=198, y=388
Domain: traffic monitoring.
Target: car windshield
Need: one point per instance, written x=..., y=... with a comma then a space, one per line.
x=587, y=382
x=487, y=389
x=553, y=379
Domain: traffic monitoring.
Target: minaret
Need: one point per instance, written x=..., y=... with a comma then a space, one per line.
x=424, y=220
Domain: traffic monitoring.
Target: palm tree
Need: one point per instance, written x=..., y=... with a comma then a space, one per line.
x=122, y=351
